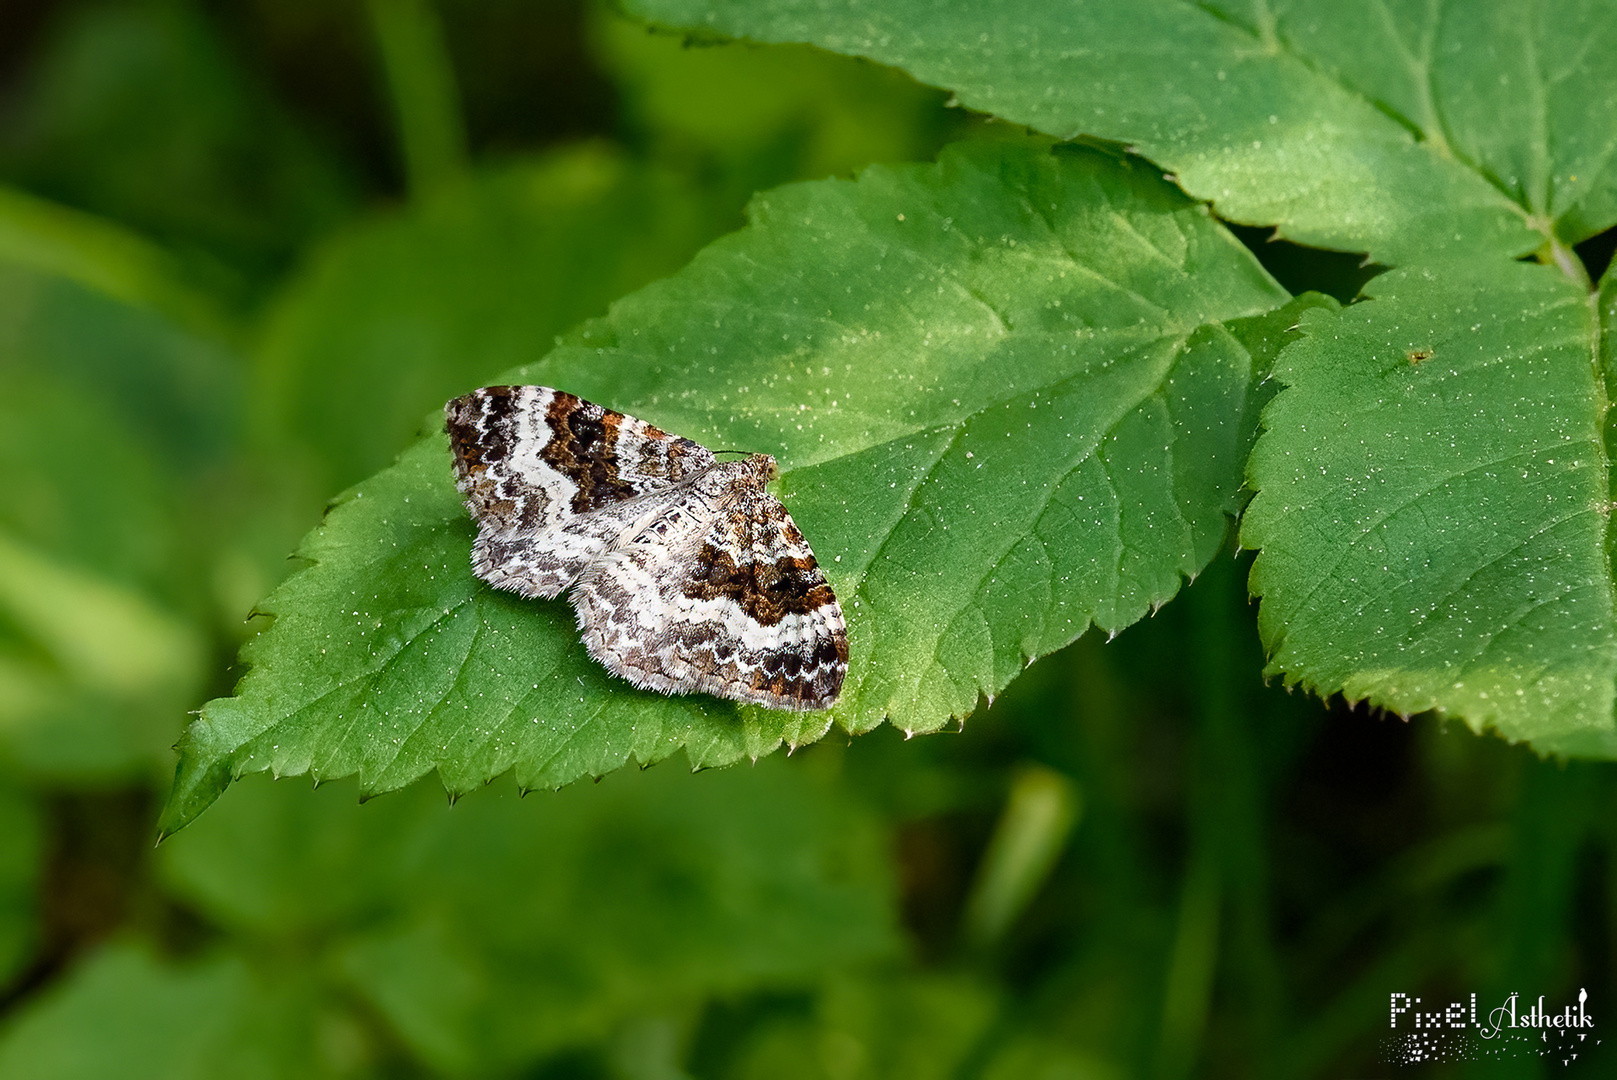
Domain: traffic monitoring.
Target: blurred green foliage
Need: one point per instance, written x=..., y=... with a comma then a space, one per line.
x=227, y=291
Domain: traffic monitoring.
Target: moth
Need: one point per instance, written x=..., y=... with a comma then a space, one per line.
x=685, y=573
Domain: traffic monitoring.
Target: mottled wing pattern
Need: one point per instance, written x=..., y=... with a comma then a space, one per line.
x=553, y=480
x=719, y=594
x=686, y=575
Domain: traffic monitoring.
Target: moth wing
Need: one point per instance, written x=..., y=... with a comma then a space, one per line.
x=552, y=480
x=724, y=598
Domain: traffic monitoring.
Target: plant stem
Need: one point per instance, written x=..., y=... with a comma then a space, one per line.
x=1039, y=815
x=421, y=82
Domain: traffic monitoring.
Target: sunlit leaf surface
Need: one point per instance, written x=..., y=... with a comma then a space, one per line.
x=1401, y=130
x=1005, y=407
x=1434, y=504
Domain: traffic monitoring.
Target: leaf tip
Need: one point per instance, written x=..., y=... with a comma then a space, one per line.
x=200, y=776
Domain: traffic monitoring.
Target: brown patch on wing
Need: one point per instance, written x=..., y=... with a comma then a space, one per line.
x=584, y=445
x=470, y=420
x=479, y=427
x=766, y=591
x=796, y=682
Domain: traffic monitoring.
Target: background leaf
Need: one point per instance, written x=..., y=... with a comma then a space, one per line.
x=1404, y=131
x=1001, y=398
x=415, y=306
x=755, y=117
x=1513, y=91
x=143, y=115
x=110, y=423
x=1433, y=506
x=55, y=240
x=128, y=1013
x=553, y=919
x=920, y=1028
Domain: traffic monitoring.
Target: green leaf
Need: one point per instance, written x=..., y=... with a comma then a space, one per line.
x=928, y=1026
x=1404, y=131
x=1264, y=336
x=1434, y=507
x=1516, y=91
x=409, y=309
x=757, y=117
x=104, y=256
x=125, y=1013
x=1005, y=409
x=92, y=674
x=497, y=931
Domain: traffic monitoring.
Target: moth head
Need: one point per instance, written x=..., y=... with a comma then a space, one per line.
x=765, y=465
